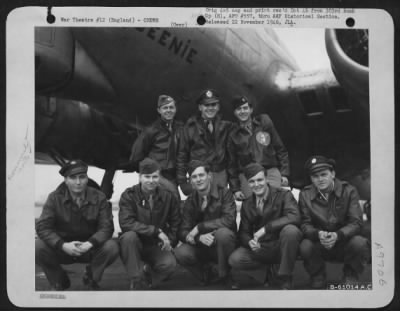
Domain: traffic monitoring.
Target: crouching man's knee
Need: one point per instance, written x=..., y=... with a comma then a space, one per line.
x=359, y=245
x=223, y=235
x=291, y=232
x=129, y=237
x=111, y=248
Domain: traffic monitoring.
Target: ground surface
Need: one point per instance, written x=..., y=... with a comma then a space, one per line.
x=115, y=278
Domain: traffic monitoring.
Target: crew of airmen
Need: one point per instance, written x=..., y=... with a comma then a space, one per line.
x=214, y=162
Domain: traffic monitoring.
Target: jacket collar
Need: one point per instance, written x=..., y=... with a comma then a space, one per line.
x=138, y=189
x=214, y=193
x=337, y=189
x=160, y=123
x=90, y=195
x=271, y=194
x=256, y=121
x=200, y=121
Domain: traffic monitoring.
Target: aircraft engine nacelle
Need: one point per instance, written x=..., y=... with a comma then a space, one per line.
x=64, y=69
x=73, y=130
x=348, y=53
x=54, y=58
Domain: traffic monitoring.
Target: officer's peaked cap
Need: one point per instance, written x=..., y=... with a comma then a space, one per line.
x=73, y=167
x=208, y=96
x=318, y=163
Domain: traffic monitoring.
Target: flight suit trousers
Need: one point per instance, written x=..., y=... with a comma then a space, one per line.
x=282, y=251
x=135, y=254
x=50, y=260
x=355, y=254
x=195, y=257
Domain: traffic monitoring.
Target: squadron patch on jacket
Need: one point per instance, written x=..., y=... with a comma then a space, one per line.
x=263, y=138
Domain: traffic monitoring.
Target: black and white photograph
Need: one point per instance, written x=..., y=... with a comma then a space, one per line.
x=213, y=157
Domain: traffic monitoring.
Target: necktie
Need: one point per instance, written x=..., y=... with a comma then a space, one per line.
x=151, y=202
x=249, y=129
x=260, y=205
x=204, y=203
x=79, y=201
x=210, y=126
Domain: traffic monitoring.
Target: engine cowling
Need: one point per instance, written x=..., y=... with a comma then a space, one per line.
x=73, y=130
x=348, y=53
x=64, y=69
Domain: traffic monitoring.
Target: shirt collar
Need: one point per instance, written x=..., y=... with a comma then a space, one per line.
x=337, y=189
x=267, y=195
x=212, y=193
x=146, y=195
x=167, y=123
x=88, y=197
x=246, y=124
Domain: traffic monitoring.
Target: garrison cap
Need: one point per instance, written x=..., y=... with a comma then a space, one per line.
x=148, y=166
x=238, y=101
x=194, y=164
x=164, y=100
x=208, y=96
x=73, y=167
x=317, y=163
x=253, y=169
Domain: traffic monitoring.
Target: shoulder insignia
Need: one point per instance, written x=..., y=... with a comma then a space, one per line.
x=263, y=138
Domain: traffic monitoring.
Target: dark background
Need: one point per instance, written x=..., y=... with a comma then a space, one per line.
x=391, y=6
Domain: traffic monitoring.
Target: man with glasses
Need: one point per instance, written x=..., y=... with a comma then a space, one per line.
x=204, y=138
x=255, y=139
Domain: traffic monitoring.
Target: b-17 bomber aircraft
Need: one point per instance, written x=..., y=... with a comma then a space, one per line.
x=97, y=88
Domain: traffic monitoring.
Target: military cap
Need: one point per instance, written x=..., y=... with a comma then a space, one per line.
x=148, y=166
x=208, y=96
x=238, y=101
x=194, y=164
x=73, y=167
x=253, y=169
x=317, y=163
x=165, y=100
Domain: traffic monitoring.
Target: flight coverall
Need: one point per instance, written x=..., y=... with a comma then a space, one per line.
x=63, y=221
x=219, y=216
x=197, y=143
x=341, y=214
x=160, y=143
x=140, y=225
x=280, y=217
x=263, y=146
